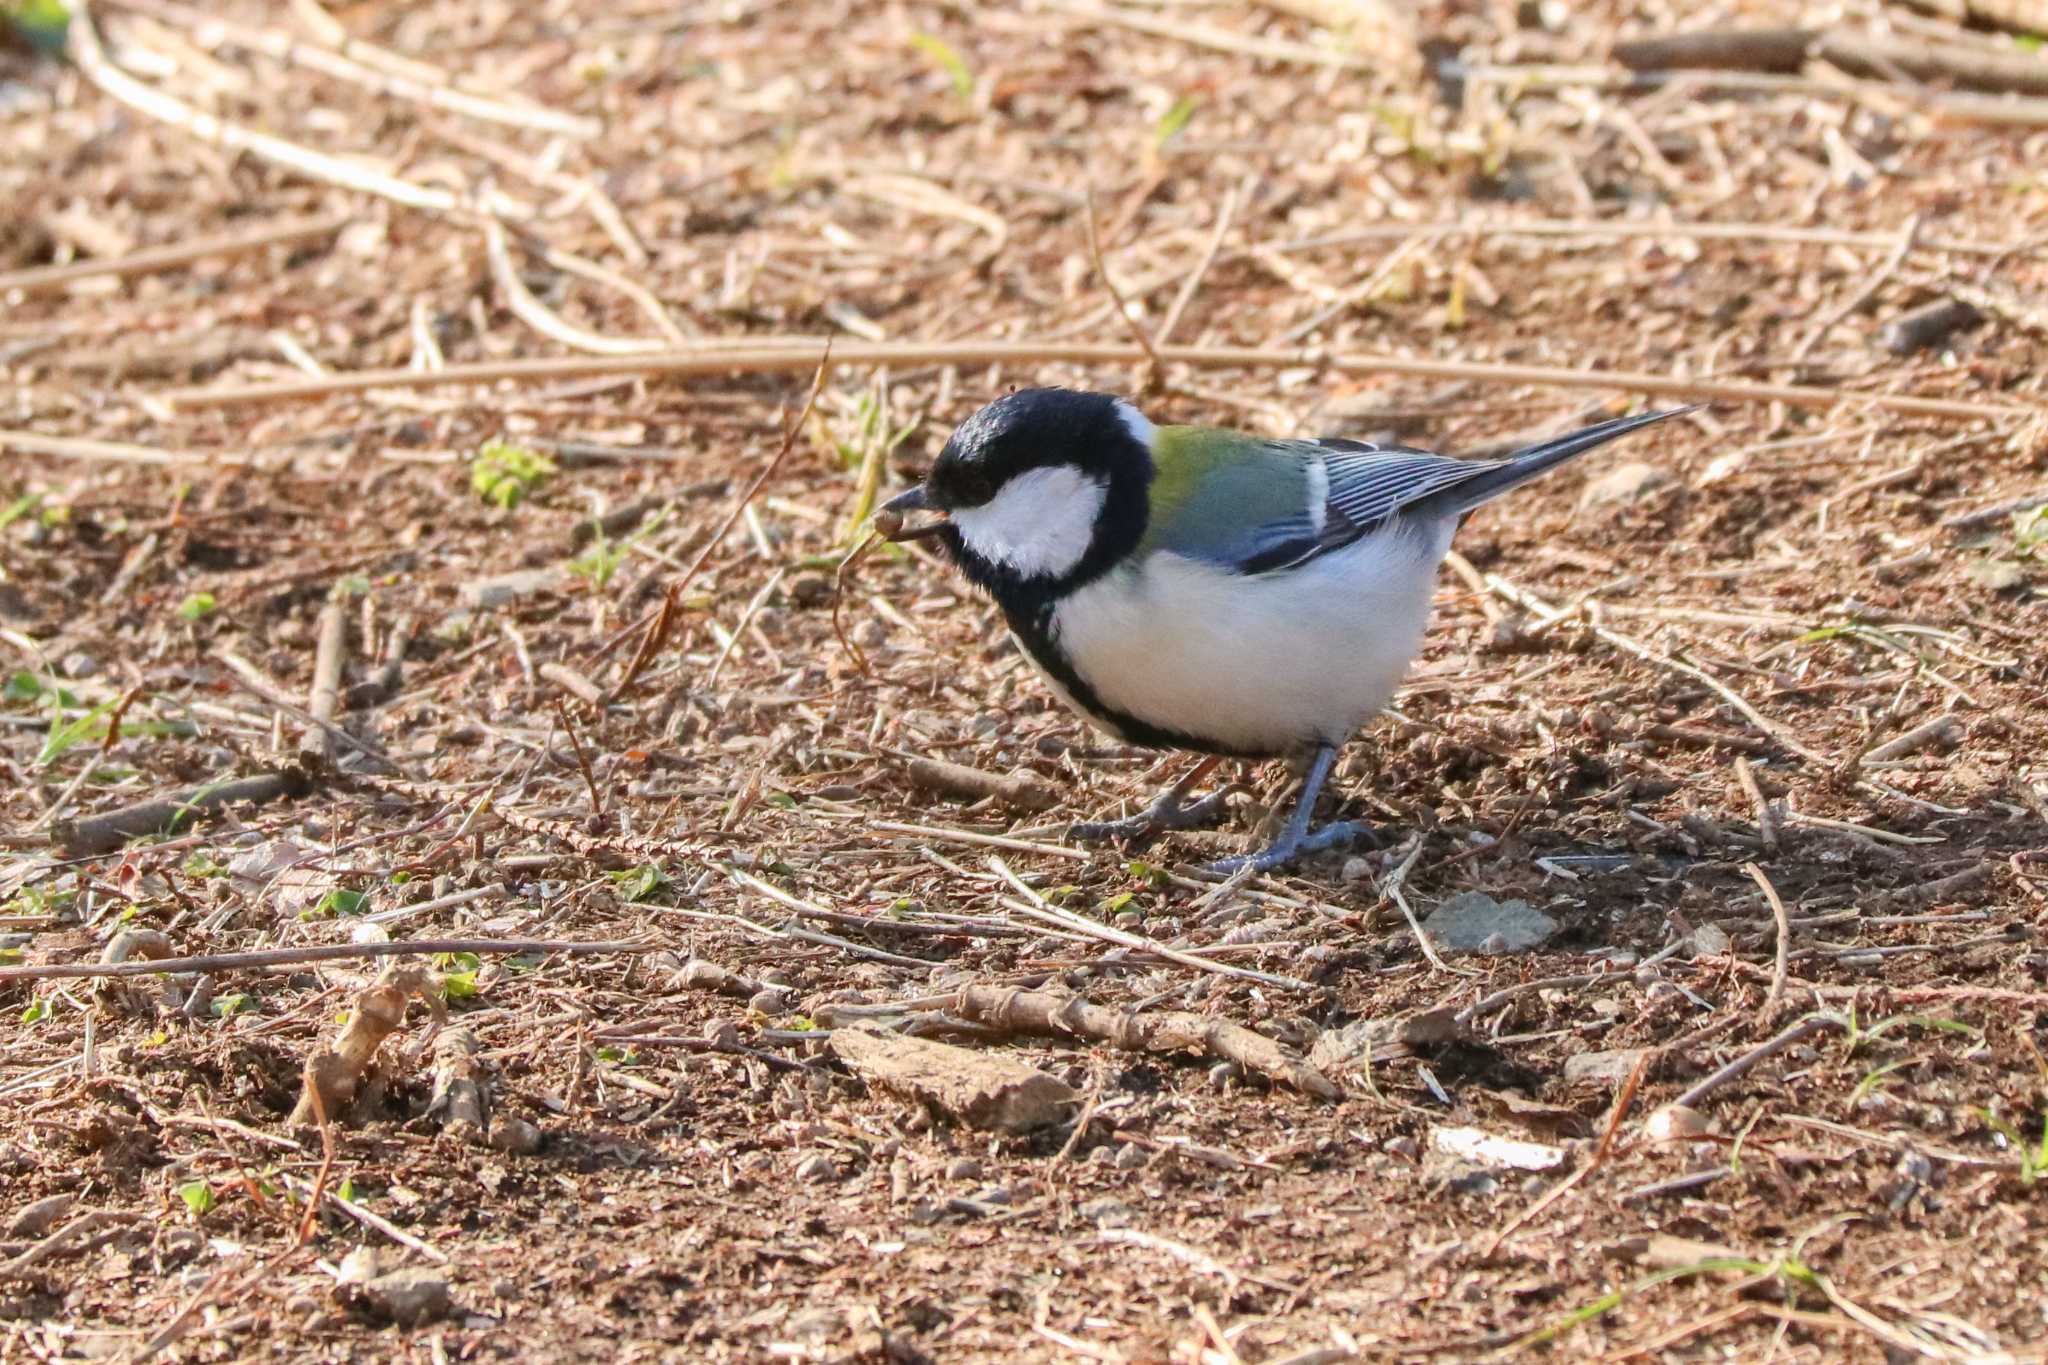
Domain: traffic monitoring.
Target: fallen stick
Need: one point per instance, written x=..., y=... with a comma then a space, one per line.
x=459, y=1097
x=1021, y=790
x=1063, y=1016
x=330, y=653
x=105, y=833
x=2020, y=15
x=93, y=63
x=1037, y=907
x=1944, y=731
x=1927, y=893
x=149, y=260
x=1927, y=326
x=212, y=30
x=1760, y=49
x=739, y=358
x=64, y=1239
x=324, y=952
x=1970, y=68
x=112, y=452
x=1783, y=960
x=1809, y=1027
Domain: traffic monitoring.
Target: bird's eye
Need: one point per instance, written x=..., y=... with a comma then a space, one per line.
x=974, y=487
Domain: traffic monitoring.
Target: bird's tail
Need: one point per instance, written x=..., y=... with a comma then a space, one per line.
x=1530, y=461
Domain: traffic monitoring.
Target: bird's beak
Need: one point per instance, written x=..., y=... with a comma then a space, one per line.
x=889, y=517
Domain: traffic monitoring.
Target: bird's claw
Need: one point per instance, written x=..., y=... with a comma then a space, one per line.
x=1167, y=813
x=1282, y=851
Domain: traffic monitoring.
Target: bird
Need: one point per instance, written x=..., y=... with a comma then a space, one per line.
x=1203, y=589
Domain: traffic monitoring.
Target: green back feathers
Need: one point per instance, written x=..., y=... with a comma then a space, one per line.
x=1209, y=486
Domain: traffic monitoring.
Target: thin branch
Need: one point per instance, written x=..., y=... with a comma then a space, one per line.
x=324, y=952
x=1123, y=309
x=113, y=452
x=1224, y=217
x=1391, y=888
x=1783, y=966
x=282, y=48
x=738, y=356
x=149, y=260
x=658, y=622
x=94, y=64
x=1038, y=908
x=528, y=308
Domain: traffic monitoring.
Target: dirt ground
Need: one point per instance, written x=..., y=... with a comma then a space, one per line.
x=1751, y=706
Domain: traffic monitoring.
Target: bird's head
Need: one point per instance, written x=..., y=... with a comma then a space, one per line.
x=1041, y=490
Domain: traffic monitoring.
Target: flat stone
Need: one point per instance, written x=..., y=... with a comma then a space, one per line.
x=978, y=1089
x=1601, y=1068
x=1466, y=922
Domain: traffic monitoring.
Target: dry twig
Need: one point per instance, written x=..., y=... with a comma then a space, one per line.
x=1070, y=1016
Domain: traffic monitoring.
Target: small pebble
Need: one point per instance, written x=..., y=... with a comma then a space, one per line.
x=1405, y=1147
x=963, y=1168
x=1356, y=869
x=1223, y=1075
x=1130, y=1157
x=409, y=1297
x=516, y=1136
x=817, y=1167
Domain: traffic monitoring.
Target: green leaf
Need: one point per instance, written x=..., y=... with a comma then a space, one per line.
x=504, y=474
x=21, y=685
x=638, y=883
x=2030, y=530
x=86, y=728
x=200, y=864
x=347, y=1192
x=198, y=1196
x=42, y=24
x=946, y=59
x=1173, y=120
x=599, y=562
x=37, y=1011
x=197, y=607
x=227, y=1006
x=339, y=901
x=19, y=508
x=458, y=986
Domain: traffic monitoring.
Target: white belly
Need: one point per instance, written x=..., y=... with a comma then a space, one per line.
x=1257, y=663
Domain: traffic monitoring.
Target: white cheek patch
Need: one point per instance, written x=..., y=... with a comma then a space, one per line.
x=1136, y=423
x=1039, y=524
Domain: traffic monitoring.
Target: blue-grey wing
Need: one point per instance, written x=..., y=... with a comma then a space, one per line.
x=1348, y=490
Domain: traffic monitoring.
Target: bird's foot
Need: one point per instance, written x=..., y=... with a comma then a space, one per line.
x=1284, y=850
x=1168, y=812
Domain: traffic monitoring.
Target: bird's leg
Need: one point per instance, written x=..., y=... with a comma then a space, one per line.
x=1295, y=839
x=1171, y=810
